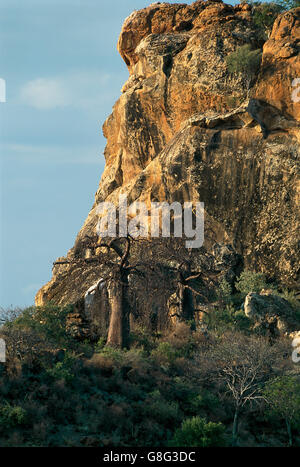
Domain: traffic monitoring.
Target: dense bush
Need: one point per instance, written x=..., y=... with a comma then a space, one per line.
x=283, y=395
x=293, y=301
x=227, y=318
x=63, y=370
x=244, y=61
x=161, y=392
x=197, y=432
x=264, y=15
x=39, y=331
x=11, y=416
x=224, y=291
x=48, y=321
x=251, y=282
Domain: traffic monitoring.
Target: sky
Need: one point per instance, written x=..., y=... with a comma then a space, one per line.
x=63, y=74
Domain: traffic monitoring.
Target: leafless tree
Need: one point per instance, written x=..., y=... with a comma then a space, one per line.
x=243, y=364
x=193, y=275
x=8, y=315
x=141, y=275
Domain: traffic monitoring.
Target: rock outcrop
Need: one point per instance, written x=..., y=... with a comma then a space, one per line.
x=271, y=312
x=185, y=129
x=89, y=318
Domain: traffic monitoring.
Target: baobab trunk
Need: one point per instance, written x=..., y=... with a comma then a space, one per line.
x=186, y=306
x=118, y=331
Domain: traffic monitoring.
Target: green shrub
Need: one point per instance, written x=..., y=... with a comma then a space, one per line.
x=157, y=408
x=11, y=416
x=283, y=396
x=220, y=319
x=48, y=321
x=264, y=15
x=224, y=292
x=251, y=282
x=293, y=301
x=165, y=354
x=141, y=337
x=244, y=61
x=117, y=355
x=63, y=370
x=100, y=344
x=197, y=432
x=242, y=322
x=204, y=400
x=227, y=318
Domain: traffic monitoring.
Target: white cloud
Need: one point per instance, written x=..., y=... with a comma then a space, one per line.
x=54, y=154
x=43, y=93
x=74, y=89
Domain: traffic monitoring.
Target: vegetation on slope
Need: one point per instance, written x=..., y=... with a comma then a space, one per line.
x=208, y=384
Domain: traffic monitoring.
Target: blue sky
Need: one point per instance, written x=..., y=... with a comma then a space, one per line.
x=63, y=74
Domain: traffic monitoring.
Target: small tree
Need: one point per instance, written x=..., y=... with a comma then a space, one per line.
x=283, y=396
x=245, y=62
x=242, y=364
x=224, y=292
x=264, y=15
x=250, y=282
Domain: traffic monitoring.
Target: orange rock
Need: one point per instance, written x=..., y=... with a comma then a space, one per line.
x=184, y=129
x=281, y=64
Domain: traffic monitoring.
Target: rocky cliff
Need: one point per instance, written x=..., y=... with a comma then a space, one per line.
x=186, y=129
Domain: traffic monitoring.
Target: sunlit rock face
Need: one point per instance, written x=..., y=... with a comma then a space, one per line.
x=184, y=129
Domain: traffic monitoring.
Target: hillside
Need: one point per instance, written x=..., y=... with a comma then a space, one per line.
x=149, y=341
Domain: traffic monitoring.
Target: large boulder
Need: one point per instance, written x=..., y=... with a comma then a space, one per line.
x=271, y=311
x=90, y=315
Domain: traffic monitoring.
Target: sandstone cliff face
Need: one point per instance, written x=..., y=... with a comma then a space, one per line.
x=184, y=129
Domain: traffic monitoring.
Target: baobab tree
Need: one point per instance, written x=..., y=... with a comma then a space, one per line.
x=116, y=270
x=118, y=262
x=193, y=274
